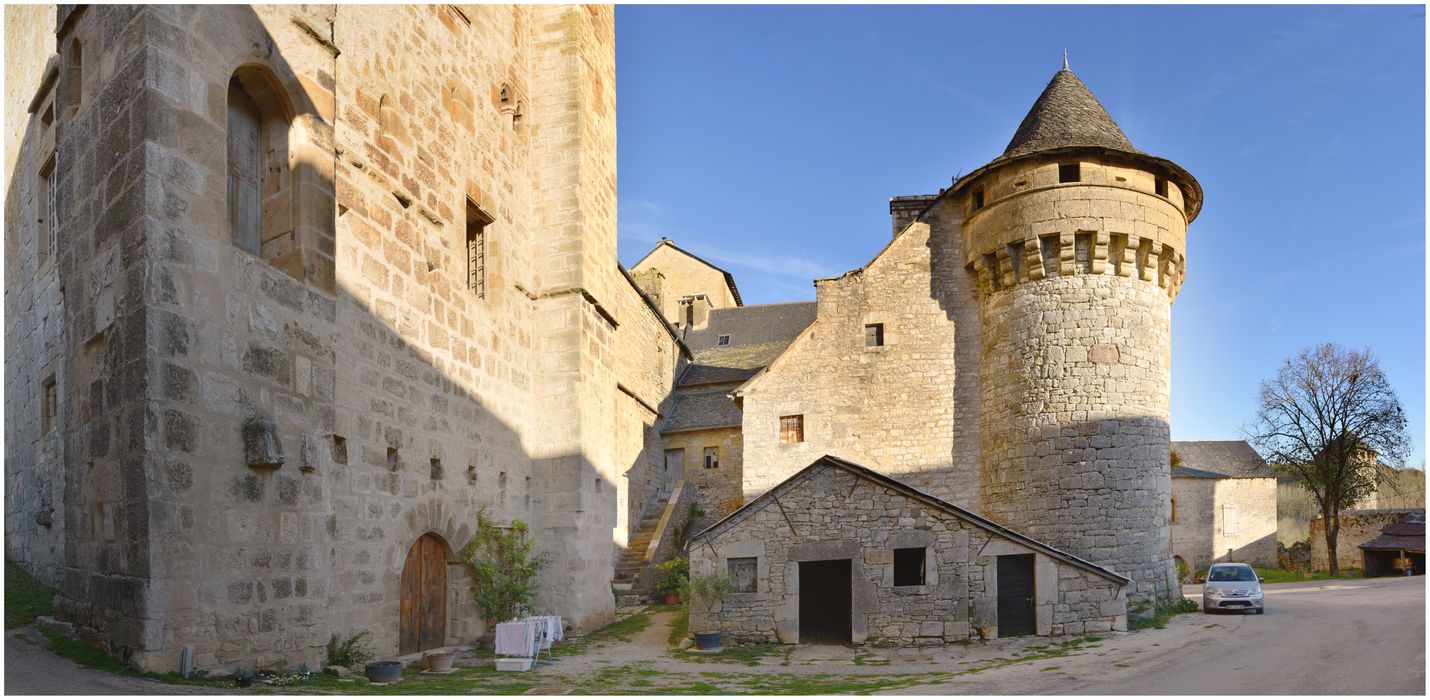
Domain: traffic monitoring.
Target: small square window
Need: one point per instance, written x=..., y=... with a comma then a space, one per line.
x=1161, y=187
x=722, y=340
x=874, y=335
x=712, y=458
x=909, y=566
x=1070, y=172
x=977, y=200
x=792, y=429
x=742, y=572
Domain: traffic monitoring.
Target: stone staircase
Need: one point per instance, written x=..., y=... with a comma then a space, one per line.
x=630, y=567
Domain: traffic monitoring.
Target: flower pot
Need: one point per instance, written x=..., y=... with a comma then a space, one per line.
x=383, y=671
x=440, y=662
x=672, y=598
x=707, y=641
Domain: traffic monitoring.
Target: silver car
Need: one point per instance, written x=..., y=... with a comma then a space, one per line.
x=1232, y=587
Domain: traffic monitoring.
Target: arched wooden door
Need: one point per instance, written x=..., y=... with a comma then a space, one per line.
x=423, y=615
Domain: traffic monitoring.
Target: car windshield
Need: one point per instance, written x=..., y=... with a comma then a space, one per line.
x=1231, y=573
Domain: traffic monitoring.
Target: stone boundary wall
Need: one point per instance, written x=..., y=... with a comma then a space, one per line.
x=1357, y=528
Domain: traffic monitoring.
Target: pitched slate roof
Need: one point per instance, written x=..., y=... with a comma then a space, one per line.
x=702, y=410
x=1407, y=533
x=757, y=335
x=832, y=462
x=1066, y=114
x=1219, y=459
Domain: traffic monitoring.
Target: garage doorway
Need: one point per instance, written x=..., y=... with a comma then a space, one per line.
x=1016, y=615
x=825, y=602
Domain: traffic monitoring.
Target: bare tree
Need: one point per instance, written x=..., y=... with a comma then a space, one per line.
x=1323, y=419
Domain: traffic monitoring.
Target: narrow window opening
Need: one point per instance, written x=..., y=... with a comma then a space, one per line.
x=472, y=474
x=712, y=458
x=792, y=429
x=477, y=221
x=1174, y=510
x=74, y=76
x=722, y=341
x=436, y=473
x=1070, y=172
x=340, y=450
x=501, y=489
x=977, y=199
x=743, y=573
x=526, y=499
x=874, y=335
x=45, y=217
x=49, y=404
x=245, y=168
x=1161, y=187
x=909, y=566
x=393, y=461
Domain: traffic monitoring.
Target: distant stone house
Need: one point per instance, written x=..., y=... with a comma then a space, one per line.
x=841, y=553
x=1357, y=526
x=1223, y=505
x=1400, y=548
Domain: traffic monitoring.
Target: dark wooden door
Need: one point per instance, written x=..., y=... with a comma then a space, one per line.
x=825, y=601
x=1016, y=614
x=423, y=613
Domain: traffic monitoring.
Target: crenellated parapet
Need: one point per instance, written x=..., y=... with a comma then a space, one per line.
x=1023, y=225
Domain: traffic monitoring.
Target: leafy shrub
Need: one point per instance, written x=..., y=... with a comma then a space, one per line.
x=502, y=566
x=350, y=652
x=709, y=589
x=672, y=576
x=683, y=529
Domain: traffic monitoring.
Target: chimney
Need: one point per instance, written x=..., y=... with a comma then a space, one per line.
x=904, y=209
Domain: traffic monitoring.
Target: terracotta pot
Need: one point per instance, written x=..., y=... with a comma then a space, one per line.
x=672, y=598
x=383, y=671
x=441, y=661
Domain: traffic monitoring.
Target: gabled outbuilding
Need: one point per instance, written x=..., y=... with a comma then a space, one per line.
x=841, y=553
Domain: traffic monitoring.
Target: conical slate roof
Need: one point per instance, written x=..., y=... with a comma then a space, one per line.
x=1066, y=114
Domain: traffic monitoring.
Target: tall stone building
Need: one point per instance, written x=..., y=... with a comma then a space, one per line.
x=291, y=292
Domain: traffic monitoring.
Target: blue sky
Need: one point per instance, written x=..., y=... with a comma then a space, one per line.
x=769, y=140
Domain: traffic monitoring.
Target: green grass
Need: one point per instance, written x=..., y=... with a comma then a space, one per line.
x=1283, y=576
x=1165, y=611
x=679, y=628
x=619, y=631
x=26, y=598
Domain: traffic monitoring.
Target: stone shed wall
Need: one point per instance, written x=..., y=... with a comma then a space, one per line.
x=1357, y=528
x=833, y=514
x=719, y=490
x=907, y=409
x=1200, y=534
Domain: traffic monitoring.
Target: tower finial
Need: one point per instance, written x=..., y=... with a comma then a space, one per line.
x=1065, y=59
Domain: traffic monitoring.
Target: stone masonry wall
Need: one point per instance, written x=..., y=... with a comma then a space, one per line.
x=1357, y=528
x=1075, y=282
x=1199, y=532
x=832, y=514
x=901, y=408
x=34, y=311
x=720, y=489
x=682, y=275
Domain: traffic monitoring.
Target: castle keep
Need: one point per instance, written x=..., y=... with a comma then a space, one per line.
x=293, y=291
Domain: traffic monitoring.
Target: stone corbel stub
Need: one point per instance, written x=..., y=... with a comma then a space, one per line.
x=307, y=454
x=261, y=447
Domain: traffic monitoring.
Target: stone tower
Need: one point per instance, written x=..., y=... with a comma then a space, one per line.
x=1075, y=240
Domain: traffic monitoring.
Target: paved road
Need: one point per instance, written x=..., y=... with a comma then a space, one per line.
x=31, y=670
x=1321, y=638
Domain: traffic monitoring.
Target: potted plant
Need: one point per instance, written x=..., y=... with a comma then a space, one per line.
x=707, y=590
x=440, y=661
x=382, y=671
x=671, y=578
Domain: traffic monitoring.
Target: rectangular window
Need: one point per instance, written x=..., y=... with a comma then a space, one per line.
x=47, y=226
x=1070, y=172
x=712, y=458
x=874, y=335
x=477, y=221
x=340, y=450
x=909, y=566
x=792, y=429
x=1161, y=187
x=1229, y=521
x=977, y=200
x=742, y=572
x=49, y=404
